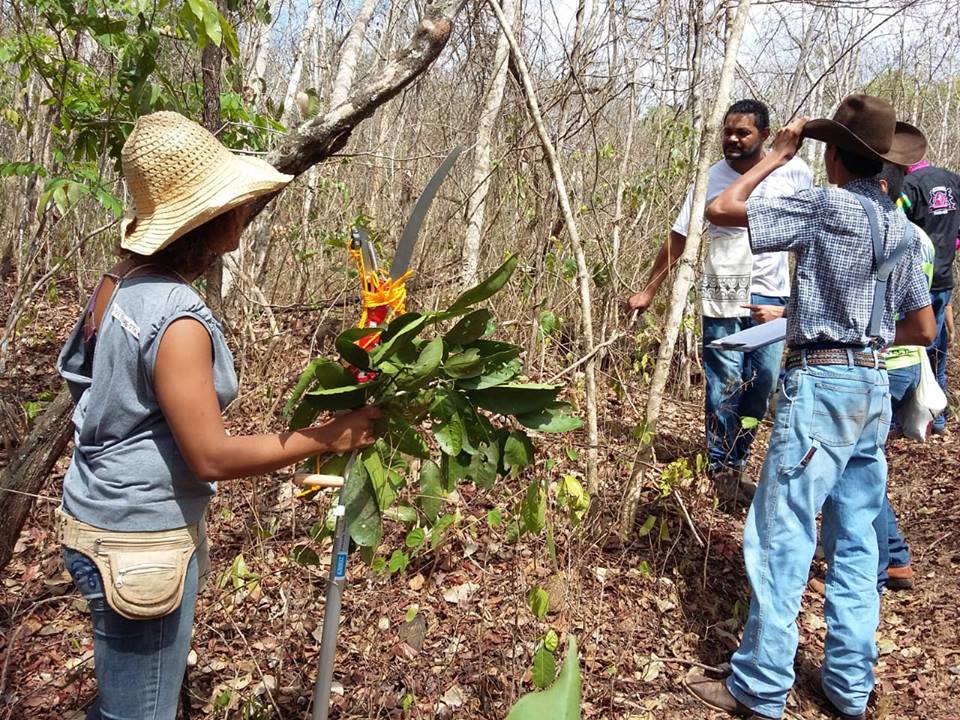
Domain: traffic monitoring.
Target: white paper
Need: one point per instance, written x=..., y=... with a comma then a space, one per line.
x=753, y=338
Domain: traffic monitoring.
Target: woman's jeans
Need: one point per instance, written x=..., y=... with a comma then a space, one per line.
x=139, y=663
x=738, y=385
x=939, y=299
x=826, y=453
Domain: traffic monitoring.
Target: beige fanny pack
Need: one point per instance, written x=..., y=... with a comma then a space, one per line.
x=143, y=572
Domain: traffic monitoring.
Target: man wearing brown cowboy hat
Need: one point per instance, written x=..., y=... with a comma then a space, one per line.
x=857, y=265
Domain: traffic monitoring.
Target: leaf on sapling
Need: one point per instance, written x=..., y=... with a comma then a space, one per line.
x=484, y=465
x=539, y=601
x=454, y=468
x=554, y=418
x=544, y=667
x=431, y=490
x=469, y=328
x=533, y=508
x=486, y=287
x=517, y=451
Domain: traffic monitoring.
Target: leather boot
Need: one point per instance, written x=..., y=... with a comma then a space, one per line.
x=714, y=694
x=900, y=578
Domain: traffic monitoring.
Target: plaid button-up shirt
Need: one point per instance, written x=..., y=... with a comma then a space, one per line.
x=828, y=231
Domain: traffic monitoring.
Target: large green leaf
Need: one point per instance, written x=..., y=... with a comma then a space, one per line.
x=515, y=398
x=465, y=364
x=377, y=473
x=362, y=511
x=341, y=398
x=561, y=701
x=470, y=327
x=431, y=490
x=405, y=438
x=427, y=362
x=544, y=667
x=492, y=378
x=304, y=415
x=556, y=417
x=517, y=451
x=447, y=423
x=325, y=373
x=495, y=352
x=454, y=468
x=484, y=464
x=487, y=287
x=398, y=335
x=346, y=344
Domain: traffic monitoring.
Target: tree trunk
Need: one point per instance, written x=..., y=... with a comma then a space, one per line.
x=686, y=273
x=350, y=54
x=583, y=274
x=30, y=467
x=298, y=151
x=211, y=62
x=293, y=83
x=476, y=204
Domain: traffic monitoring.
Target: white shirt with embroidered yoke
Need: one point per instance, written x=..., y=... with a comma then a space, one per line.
x=730, y=271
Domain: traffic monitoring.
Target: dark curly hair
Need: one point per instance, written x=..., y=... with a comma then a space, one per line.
x=761, y=115
x=194, y=252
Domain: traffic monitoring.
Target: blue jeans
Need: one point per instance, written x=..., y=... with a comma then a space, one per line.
x=894, y=551
x=139, y=663
x=826, y=452
x=939, y=299
x=738, y=385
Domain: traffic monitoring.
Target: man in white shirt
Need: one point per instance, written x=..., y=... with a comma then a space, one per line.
x=738, y=290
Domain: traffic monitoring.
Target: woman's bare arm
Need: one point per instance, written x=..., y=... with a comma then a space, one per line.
x=183, y=380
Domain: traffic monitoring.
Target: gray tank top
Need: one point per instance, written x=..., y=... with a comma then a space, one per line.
x=127, y=473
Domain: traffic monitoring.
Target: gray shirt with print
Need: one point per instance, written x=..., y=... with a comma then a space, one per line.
x=127, y=473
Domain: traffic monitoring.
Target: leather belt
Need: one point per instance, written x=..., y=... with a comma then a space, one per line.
x=868, y=359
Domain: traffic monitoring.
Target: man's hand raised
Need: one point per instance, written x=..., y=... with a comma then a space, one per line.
x=789, y=139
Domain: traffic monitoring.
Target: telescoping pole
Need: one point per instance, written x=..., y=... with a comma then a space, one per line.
x=335, y=587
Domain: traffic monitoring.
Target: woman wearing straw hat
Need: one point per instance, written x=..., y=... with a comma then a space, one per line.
x=150, y=372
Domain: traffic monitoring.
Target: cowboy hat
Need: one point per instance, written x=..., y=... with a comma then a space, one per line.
x=179, y=176
x=868, y=126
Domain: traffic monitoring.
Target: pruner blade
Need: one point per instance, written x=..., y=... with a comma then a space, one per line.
x=408, y=238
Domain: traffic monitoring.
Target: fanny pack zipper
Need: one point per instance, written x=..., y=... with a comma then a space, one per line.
x=138, y=569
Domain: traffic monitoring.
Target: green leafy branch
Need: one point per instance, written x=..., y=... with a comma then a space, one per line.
x=453, y=398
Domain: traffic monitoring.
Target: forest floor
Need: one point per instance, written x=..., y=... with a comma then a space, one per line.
x=643, y=614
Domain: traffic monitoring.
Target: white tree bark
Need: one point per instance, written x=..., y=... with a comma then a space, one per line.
x=686, y=273
x=476, y=204
x=583, y=275
x=350, y=53
x=255, y=48
x=293, y=83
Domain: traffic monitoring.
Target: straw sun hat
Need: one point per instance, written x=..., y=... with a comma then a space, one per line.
x=180, y=176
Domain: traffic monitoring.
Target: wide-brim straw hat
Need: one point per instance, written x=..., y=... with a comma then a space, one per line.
x=868, y=126
x=179, y=176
